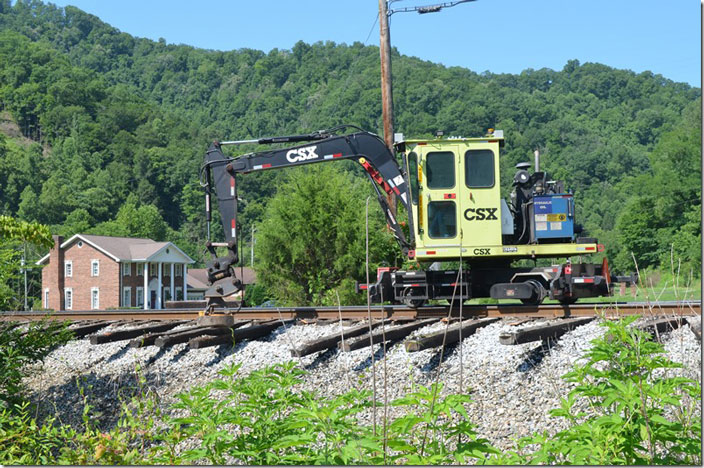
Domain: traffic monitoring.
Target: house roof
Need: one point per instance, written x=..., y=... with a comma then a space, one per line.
x=122, y=249
x=197, y=278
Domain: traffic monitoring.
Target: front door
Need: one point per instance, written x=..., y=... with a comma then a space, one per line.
x=152, y=299
x=439, y=200
x=480, y=193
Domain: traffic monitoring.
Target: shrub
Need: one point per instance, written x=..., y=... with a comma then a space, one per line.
x=259, y=419
x=19, y=348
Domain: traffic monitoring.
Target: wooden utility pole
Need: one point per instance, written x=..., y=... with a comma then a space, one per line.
x=387, y=110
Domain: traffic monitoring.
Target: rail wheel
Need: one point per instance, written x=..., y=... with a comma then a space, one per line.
x=413, y=303
x=539, y=293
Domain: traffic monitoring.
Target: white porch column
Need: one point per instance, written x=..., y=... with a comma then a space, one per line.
x=145, y=290
x=185, y=282
x=158, y=288
x=173, y=298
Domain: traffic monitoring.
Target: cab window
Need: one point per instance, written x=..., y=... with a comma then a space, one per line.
x=440, y=169
x=479, y=168
x=413, y=176
x=442, y=221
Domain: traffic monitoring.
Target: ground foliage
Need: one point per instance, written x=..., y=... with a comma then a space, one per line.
x=104, y=132
x=641, y=412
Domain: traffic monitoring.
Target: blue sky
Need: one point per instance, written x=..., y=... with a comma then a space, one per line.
x=501, y=36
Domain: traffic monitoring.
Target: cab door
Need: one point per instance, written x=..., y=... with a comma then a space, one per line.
x=440, y=180
x=479, y=197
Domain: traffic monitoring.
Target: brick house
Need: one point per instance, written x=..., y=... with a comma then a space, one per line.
x=89, y=272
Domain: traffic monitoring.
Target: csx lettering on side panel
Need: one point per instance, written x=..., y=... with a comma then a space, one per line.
x=480, y=214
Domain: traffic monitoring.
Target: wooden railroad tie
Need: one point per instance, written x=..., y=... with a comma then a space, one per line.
x=450, y=336
x=84, y=330
x=695, y=324
x=150, y=338
x=8, y=326
x=662, y=325
x=120, y=335
x=543, y=332
x=331, y=341
x=388, y=334
x=183, y=337
x=233, y=335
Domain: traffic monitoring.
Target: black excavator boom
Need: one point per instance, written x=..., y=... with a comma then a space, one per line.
x=219, y=172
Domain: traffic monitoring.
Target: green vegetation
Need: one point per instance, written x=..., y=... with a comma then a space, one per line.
x=311, y=245
x=638, y=412
x=102, y=132
x=17, y=237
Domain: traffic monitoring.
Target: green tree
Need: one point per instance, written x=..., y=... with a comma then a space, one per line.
x=312, y=239
x=135, y=221
x=14, y=234
x=665, y=214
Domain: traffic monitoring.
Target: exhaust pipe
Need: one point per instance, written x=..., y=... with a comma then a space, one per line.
x=536, y=153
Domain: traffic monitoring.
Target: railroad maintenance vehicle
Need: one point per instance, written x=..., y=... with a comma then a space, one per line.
x=456, y=213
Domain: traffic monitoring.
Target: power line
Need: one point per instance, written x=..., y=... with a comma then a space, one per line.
x=426, y=9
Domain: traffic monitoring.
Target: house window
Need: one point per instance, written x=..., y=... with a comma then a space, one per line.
x=140, y=269
x=195, y=296
x=139, y=296
x=178, y=270
x=94, y=267
x=68, y=298
x=152, y=269
x=94, y=298
x=46, y=298
x=126, y=270
x=127, y=296
x=68, y=268
x=179, y=294
x=166, y=270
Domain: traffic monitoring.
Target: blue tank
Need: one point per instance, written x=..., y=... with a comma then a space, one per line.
x=553, y=216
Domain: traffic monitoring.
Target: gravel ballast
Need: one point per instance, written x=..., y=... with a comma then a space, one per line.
x=512, y=387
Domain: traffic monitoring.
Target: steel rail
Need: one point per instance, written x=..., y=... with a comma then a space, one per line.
x=392, y=312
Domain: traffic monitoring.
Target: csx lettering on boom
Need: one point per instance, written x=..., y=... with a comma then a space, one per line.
x=301, y=154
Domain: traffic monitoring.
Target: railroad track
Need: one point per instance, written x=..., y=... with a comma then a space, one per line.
x=389, y=312
x=166, y=328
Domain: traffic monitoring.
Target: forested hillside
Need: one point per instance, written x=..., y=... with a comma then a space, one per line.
x=104, y=132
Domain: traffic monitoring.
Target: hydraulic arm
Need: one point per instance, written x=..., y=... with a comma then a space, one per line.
x=219, y=172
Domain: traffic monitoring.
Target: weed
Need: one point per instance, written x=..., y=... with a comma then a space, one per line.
x=629, y=405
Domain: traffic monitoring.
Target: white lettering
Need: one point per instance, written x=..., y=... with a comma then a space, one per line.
x=302, y=154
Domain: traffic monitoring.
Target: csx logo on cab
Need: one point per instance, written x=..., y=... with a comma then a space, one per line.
x=481, y=251
x=480, y=214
